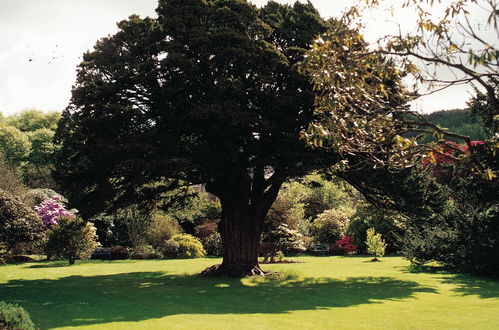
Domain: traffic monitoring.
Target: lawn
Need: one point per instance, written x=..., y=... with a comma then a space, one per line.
x=318, y=293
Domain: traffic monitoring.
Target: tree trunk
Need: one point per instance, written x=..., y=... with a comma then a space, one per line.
x=240, y=232
x=243, y=212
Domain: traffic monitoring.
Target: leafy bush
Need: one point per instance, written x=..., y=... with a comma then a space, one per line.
x=189, y=246
x=201, y=208
x=375, y=244
x=161, y=228
x=213, y=244
x=210, y=237
x=11, y=179
x=329, y=226
x=111, y=229
x=14, y=317
x=461, y=231
x=18, y=224
x=206, y=229
x=38, y=195
x=386, y=222
x=145, y=252
x=119, y=253
x=285, y=239
x=170, y=248
x=347, y=245
x=336, y=250
x=71, y=239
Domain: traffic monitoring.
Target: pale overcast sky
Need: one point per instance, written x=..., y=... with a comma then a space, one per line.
x=41, y=43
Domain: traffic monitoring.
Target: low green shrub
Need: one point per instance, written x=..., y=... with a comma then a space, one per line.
x=14, y=317
x=161, y=228
x=189, y=246
x=213, y=244
x=169, y=248
x=72, y=239
x=145, y=252
x=330, y=226
x=119, y=253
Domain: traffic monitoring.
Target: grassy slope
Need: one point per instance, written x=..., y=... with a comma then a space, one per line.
x=321, y=292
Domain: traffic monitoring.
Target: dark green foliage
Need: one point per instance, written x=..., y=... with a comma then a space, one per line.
x=18, y=223
x=14, y=317
x=145, y=252
x=161, y=228
x=213, y=244
x=111, y=230
x=169, y=248
x=71, y=239
x=210, y=237
x=451, y=215
x=207, y=93
x=388, y=223
x=481, y=107
x=10, y=179
x=197, y=210
x=119, y=253
x=281, y=227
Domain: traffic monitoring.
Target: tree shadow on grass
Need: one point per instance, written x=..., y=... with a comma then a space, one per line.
x=465, y=284
x=81, y=300
x=474, y=285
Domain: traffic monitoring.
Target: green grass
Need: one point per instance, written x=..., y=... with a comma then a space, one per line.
x=318, y=293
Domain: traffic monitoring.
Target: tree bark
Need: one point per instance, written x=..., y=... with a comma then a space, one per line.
x=243, y=213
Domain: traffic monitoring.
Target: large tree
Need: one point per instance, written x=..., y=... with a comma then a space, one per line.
x=208, y=93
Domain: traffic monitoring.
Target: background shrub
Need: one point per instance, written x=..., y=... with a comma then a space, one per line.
x=189, y=246
x=18, y=223
x=72, y=239
x=329, y=226
x=145, y=252
x=388, y=223
x=161, y=228
x=14, y=317
x=213, y=244
x=119, y=253
x=206, y=229
x=170, y=248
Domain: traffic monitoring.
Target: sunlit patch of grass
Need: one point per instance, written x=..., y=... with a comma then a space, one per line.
x=318, y=292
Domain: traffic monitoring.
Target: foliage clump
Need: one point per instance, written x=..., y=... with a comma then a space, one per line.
x=375, y=244
x=145, y=252
x=18, y=223
x=14, y=317
x=189, y=246
x=329, y=226
x=71, y=239
x=161, y=228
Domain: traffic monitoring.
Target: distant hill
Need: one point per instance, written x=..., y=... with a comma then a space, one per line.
x=458, y=121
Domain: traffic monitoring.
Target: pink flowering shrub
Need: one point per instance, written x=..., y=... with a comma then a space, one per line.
x=50, y=210
x=346, y=244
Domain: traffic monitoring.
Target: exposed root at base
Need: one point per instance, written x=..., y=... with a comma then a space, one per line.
x=223, y=271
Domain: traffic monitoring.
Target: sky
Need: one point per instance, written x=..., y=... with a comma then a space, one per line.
x=42, y=41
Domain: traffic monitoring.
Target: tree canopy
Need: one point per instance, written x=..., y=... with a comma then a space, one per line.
x=208, y=93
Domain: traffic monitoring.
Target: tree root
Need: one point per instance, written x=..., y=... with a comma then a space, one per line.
x=222, y=270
